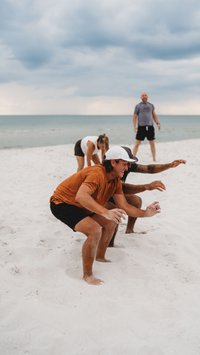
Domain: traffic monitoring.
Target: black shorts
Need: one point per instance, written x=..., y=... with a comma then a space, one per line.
x=77, y=149
x=69, y=214
x=145, y=132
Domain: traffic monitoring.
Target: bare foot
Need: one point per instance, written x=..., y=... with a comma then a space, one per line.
x=131, y=231
x=103, y=260
x=92, y=280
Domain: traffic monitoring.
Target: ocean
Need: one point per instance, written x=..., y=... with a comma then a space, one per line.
x=35, y=131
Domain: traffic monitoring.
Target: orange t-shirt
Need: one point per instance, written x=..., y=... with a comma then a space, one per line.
x=95, y=178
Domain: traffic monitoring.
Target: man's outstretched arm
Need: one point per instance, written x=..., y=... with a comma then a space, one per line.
x=157, y=168
x=135, y=189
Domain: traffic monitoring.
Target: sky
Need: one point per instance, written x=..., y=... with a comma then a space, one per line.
x=96, y=57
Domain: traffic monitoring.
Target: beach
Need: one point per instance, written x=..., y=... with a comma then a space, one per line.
x=149, y=302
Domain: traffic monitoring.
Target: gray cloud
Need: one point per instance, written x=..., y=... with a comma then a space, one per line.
x=113, y=48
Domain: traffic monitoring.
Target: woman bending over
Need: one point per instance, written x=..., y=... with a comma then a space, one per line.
x=90, y=146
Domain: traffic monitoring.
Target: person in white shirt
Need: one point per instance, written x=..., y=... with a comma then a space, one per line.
x=90, y=146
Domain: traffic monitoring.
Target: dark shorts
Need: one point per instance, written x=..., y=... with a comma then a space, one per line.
x=145, y=132
x=77, y=149
x=69, y=214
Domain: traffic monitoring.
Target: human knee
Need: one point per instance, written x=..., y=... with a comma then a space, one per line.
x=152, y=143
x=134, y=200
x=138, y=201
x=137, y=143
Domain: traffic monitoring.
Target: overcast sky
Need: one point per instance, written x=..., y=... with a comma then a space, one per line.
x=95, y=57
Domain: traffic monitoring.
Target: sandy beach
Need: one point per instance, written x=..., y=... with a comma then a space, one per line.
x=149, y=303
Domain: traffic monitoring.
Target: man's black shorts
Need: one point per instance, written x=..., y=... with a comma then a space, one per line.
x=145, y=132
x=69, y=214
x=77, y=149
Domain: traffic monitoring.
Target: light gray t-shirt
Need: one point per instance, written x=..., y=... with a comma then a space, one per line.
x=144, y=113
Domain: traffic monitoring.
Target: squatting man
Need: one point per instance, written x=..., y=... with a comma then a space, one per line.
x=79, y=202
x=131, y=190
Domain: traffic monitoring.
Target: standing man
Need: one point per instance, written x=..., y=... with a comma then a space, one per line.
x=143, y=118
x=79, y=202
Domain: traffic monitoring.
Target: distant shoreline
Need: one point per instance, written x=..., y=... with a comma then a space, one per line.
x=92, y=115
x=34, y=131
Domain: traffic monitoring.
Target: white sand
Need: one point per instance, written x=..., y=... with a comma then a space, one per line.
x=150, y=302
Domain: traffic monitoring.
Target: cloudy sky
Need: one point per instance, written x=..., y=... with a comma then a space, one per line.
x=95, y=57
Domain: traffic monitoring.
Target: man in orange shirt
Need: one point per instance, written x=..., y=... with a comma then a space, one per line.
x=79, y=201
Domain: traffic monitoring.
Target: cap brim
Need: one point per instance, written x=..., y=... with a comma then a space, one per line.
x=131, y=160
x=128, y=160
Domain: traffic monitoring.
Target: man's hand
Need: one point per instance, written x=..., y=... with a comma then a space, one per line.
x=156, y=185
x=116, y=214
x=152, y=209
x=175, y=163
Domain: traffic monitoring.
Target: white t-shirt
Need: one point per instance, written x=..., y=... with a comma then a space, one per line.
x=84, y=146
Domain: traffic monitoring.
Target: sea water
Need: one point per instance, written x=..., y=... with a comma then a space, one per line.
x=35, y=131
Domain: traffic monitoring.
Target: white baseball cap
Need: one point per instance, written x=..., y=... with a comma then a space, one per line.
x=117, y=153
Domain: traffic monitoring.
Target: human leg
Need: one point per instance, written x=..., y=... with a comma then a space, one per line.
x=110, y=205
x=136, y=147
x=111, y=244
x=135, y=201
x=151, y=139
x=153, y=149
x=93, y=232
x=108, y=229
x=79, y=219
x=140, y=136
x=79, y=155
x=80, y=162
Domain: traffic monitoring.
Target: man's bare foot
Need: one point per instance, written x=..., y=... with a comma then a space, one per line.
x=103, y=260
x=92, y=280
x=129, y=231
